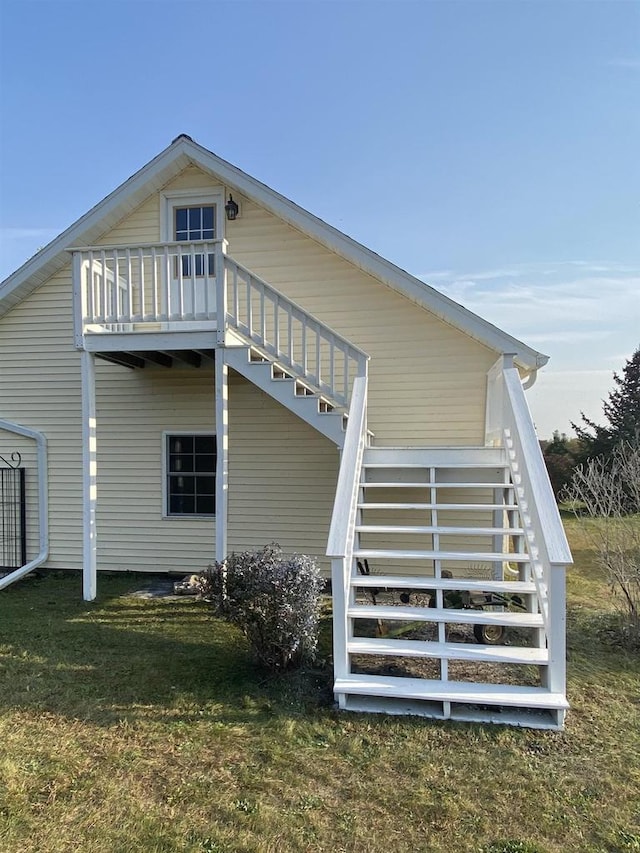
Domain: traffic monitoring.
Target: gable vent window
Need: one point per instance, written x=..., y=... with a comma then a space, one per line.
x=191, y=475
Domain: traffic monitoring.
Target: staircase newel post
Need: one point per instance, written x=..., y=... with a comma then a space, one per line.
x=556, y=631
x=221, y=292
x=339, y=580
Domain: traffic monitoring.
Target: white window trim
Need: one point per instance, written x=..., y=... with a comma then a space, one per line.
x=170, y=199
x=165, y=503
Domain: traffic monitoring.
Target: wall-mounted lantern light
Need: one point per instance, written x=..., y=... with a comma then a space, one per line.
x=231, y=209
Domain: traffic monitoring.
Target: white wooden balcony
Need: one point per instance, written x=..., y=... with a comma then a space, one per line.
x=160, y=298
x=150, y=287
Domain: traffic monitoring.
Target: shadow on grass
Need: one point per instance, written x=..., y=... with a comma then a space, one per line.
x=123, y=658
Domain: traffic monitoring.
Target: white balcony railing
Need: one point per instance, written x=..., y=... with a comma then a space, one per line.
x=118, y=286
x=196, y=286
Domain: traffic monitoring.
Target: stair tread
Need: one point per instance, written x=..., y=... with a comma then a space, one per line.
x=441, y=466
x=471, y=585
x=454, y=531
x=409, y=613
x=453, y=691
x=462, y=507
x=476, y=556
x=455, y=651
x=431, y=484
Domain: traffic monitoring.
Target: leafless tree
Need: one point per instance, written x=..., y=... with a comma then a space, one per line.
x=605, y=493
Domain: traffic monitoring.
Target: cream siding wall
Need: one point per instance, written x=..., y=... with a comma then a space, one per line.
x=282, y=472
x=427, y=379
x=427, y=387
x=40, y=388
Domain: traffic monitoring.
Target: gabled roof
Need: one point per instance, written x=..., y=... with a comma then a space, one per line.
x=183, y=152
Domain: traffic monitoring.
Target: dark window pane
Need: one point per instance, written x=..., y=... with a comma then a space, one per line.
x=182, y=504
x=204, y=443
x=207, y=234
x=205, y=485
x=205, y=463
x=195, y=219
x=181, y=444
x=181, y=462
x=207, y=219
x=182, y=485
x=205, y=505
x=181, y=220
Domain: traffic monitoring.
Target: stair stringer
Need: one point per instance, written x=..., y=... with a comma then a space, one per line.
x=312, y=406
x=447, y=698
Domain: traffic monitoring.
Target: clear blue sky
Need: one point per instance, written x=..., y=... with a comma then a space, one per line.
x=490, y=148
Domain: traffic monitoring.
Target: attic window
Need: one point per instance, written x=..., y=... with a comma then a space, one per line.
x=192, y=224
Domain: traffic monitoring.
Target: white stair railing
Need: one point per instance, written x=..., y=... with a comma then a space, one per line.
x=342, y=533
x=290, y=335
x=547, y=542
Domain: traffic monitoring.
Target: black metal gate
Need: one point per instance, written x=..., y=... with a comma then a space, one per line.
x=13, y=521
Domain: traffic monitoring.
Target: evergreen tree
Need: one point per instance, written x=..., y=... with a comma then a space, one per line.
x=622, y=410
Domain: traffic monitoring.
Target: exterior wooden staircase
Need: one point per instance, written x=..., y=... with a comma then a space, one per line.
x=441, y=560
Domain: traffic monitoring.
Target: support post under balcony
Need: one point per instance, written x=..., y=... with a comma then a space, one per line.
x=89, y=476
x=222, y=449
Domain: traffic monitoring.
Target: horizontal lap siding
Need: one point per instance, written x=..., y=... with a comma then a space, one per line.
x=282, y=476
x=282, y=472
x=40, y=388
x=427, y=379
x=427, y=387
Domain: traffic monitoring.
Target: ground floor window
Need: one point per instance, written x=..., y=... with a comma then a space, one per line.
x=190, y=474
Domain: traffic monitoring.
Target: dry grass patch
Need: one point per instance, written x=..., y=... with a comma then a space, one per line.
x=141, y=725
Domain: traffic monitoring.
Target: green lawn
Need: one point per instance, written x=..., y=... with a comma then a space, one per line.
x=141, y=725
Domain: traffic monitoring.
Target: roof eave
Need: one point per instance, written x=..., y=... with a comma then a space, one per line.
x=177, y=156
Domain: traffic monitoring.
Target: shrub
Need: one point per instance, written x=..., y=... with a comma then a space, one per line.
x=274, y=599
x=606, y=494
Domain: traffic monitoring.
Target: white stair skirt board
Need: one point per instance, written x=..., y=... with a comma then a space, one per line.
x=549, y=719
x=313, y=408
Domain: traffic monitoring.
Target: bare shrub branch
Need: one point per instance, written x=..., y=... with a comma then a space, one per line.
x=605, y=494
